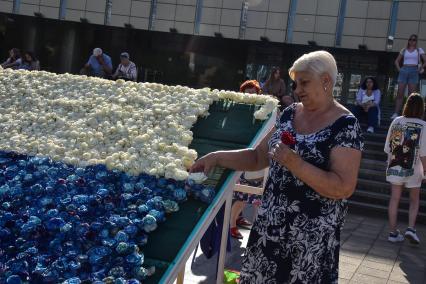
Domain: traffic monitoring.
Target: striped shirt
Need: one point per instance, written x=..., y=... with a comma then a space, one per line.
x=128, y=72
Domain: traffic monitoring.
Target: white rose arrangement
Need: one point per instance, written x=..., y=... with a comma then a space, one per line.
x=133, y=127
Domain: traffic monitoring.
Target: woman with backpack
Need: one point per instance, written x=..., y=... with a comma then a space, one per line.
x=409, y=65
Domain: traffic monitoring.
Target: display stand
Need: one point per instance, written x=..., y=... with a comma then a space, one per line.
x=176, y=268
x=253, y=189
x=245, y=189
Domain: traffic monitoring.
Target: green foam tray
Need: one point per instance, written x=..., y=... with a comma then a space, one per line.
x=229, y=126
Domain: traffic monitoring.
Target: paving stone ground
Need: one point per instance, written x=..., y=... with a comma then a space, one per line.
x=365, y=255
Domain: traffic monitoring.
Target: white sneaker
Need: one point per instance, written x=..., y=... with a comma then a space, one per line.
x=395, y=237
x=370, y=129
x=394, y=115
x=411, y=235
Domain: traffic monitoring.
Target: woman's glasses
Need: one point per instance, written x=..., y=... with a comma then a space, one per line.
x=413, y=39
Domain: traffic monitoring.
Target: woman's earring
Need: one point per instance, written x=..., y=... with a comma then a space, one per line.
x=325, y=89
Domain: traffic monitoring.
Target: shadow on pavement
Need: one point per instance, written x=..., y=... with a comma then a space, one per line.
x=201, y=266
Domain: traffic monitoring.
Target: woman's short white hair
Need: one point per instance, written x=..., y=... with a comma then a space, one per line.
x=318, y=62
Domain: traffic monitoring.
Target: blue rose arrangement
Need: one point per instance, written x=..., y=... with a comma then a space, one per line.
x=64, y=224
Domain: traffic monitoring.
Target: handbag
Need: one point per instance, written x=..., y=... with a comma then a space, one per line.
x=419, y=63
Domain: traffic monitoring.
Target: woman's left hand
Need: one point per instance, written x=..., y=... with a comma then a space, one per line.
x=284, y=155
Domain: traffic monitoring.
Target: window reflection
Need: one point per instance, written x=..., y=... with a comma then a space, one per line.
x=338, y=87
x=354, y=83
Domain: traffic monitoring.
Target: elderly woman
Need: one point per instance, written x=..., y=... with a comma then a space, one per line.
x=296, y=235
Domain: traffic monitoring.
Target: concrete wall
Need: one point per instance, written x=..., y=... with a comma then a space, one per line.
x=365, y=22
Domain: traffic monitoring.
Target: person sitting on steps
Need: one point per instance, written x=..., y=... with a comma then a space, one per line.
x=367, y=102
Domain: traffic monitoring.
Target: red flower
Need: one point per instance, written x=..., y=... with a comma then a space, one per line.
x=288, y=139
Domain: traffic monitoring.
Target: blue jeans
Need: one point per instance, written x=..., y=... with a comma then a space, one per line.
x=372, y=114
x=408, y=75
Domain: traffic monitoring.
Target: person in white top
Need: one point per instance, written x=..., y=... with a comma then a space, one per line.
x=410, y=58
x=368, y=102
x=126, y=70
x=406, y=166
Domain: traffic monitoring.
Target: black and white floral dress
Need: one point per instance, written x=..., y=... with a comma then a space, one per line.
x=296, y=235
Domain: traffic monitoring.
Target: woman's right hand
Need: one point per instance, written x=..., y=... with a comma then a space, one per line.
x=205, y=164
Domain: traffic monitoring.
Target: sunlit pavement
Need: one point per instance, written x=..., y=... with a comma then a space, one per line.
x=365, y=256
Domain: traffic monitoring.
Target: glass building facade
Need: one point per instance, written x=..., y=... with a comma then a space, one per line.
x=216, y=43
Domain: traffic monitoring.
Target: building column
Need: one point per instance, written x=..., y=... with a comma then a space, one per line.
x=67, y=51
x=30, y=38
x=392, y=24
x=340, y=22
x=243, y=20
x=16, y=6
x=152, y=15
x=62, y=9
x=108, y=8
x=290, y=20
x=198, y=15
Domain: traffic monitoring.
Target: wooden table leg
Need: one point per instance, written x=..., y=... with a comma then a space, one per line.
x=224, y=241
x=180, y=277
